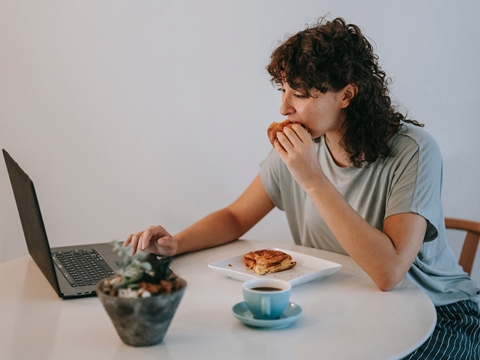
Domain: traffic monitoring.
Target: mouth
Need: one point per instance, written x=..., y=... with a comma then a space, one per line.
x=297, y=122
x=302, y=124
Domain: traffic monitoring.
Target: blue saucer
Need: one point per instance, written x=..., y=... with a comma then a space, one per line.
x=291, y=313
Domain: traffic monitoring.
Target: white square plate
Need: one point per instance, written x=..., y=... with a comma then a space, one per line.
x=308, y=268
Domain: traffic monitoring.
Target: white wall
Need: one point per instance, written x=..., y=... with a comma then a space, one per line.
x=132, y=113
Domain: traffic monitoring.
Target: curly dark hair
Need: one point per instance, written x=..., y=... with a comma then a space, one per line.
x=328, y=56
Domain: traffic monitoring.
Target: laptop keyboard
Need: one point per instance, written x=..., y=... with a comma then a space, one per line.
x=82, y=267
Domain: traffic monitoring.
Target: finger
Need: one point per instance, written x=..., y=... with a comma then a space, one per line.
x=279, y=148
x=284, y=141
x=134, y=242
x=302, y=133
x=128, y=240
x=145, y=239
x=167, y=246
x=292, y=135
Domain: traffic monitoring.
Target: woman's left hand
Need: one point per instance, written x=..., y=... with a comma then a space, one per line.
x=299, y=153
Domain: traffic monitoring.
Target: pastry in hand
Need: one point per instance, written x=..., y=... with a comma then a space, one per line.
x=275, y=127
x=268, y=261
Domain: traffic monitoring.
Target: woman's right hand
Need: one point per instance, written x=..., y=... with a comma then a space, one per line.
x=155, y=240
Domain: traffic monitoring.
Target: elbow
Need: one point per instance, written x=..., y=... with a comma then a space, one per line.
x=386, y=286
x=388, y=281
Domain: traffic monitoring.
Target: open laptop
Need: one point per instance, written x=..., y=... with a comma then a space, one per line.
x=95, y=261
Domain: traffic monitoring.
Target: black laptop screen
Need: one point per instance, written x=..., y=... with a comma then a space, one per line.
x=31, y=219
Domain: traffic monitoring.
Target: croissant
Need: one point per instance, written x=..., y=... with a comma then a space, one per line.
x=268, y=261
x=275, y=127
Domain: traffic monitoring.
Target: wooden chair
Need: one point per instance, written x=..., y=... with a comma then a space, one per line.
x=469, y=249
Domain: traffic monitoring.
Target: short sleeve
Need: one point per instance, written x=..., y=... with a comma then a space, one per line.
x=417, y=183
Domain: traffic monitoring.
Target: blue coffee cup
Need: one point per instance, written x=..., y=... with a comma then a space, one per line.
x=266, y=298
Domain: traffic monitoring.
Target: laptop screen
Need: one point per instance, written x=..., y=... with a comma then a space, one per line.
x=31, y=219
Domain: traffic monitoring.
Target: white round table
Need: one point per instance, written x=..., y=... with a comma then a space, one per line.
x=344, y=316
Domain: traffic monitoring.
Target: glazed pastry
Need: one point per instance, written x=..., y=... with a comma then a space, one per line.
x=268, y=261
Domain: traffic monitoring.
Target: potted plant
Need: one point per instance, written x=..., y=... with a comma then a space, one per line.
x=141, y=298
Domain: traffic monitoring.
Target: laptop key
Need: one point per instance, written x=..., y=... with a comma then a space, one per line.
x=82, y=267
x=99, y=260
x=64, y=272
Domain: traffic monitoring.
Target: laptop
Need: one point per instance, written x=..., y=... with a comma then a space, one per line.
x=59, y=264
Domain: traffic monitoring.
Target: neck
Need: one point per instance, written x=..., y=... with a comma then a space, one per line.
x=337, y=151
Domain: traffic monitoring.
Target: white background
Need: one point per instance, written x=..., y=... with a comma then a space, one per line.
x=132, y=113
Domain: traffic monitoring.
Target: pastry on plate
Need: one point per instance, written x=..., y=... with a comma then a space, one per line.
x=268, y=261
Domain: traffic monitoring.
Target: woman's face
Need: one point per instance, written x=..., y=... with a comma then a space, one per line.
x=320, y=113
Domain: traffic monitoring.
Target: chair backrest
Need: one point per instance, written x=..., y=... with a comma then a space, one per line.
x=469, y=249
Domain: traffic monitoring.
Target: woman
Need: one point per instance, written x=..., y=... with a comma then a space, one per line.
x=369, y=185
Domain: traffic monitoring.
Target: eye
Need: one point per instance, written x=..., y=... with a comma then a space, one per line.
x=300, y=96
x=281, y=90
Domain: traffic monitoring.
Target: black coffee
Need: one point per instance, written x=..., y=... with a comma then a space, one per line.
x=266, y=288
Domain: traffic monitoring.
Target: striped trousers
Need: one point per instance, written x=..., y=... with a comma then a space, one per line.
x=456, y=335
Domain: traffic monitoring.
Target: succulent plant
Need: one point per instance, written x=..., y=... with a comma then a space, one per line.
x=137, y=277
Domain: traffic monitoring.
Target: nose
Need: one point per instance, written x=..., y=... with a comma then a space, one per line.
x=286, y=107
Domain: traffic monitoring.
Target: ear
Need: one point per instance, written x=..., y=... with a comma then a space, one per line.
x=349, y=92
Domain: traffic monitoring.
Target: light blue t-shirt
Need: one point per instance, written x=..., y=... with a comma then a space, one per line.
x=408, y=181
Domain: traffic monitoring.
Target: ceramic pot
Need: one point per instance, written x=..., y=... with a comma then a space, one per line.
x=141, y=321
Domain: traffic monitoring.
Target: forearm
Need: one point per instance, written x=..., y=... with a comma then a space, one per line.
x=215, y=229
x=384, y=260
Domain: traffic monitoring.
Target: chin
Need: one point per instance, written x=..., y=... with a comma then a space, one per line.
x=315, y=134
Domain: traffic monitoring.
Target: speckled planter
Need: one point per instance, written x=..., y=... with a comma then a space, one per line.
x=142, y=321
